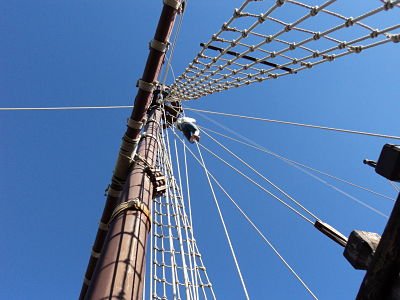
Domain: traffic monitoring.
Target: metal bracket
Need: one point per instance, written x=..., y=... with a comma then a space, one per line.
x=159, y=46
x=157, y=178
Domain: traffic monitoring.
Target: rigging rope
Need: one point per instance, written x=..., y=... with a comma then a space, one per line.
x=394, y=186
x=310, y=174
x=66, y=107
x=183, y=207
x=213, y=113
x=223, y=224
x=175, y=255
x=190, y=209
x=322, y=181
x=262, y=176
x=173, y=45
x=256, y=184
x=253, y=225
x=279, y=43
x=293, y=162
x=295, y=124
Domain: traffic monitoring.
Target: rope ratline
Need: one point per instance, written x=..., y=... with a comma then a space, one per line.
x=253, y=46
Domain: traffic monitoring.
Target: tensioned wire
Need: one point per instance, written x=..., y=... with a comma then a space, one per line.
x=210, y=112
x=254, y=118
x=190, y=212
x=170, y=182
x=223, y=224
x=318, y=178
x=191, y=241
x=258, y=185
x=184, y=219
x=291, y=162
x=394, y=186
x=247, y=117
x=262, y=176
x=287, y=205
x=295, y=123
x=199, y=269
x=176, y=193
x=252, y=223
x=173, y=45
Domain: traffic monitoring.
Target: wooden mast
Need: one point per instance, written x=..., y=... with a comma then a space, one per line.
x=119, y=273
x=143, y=100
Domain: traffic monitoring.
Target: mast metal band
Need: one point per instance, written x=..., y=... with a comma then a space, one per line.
x=175, y=4
x=95, y=254
x=128, y=144
x=103, y=226
x=134, y=124
x=113, y=193
x=146, y=86
x=133, y=204
x=86, y=281
x=159, y=46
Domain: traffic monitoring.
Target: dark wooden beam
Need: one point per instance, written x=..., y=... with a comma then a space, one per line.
x=142, y=103
x=382, y=281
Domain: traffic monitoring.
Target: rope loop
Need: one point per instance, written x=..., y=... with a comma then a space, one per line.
x=132, y=204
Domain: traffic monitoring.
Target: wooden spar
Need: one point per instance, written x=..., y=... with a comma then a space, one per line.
x=119, y=273
x=143, y=100
x=381, y=281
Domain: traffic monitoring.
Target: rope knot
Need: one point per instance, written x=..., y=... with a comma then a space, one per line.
x=314, y=11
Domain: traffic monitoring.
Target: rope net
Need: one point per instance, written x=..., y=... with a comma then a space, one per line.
x=177, y=268
x=287, y=37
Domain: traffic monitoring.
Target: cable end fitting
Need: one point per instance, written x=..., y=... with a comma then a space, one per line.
x=370, y=163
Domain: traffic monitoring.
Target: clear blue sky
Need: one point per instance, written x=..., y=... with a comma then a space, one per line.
x=56, y=165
